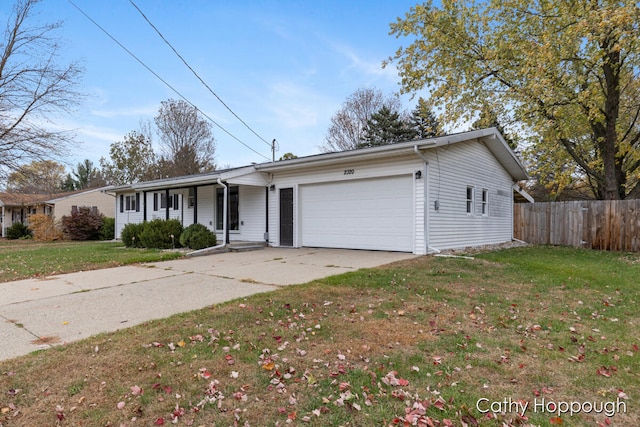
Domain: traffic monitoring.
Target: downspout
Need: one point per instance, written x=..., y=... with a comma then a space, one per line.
x=426, y=200
x=266, y=216
x=224, y=212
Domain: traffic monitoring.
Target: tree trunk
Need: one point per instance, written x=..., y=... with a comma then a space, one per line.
x=613, y=187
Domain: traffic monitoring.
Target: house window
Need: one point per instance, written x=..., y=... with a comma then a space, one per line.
x=164, y=200
x=130, y=203
x=232, y=212
x=485, y=202
x=470, y=199
x=192, y=197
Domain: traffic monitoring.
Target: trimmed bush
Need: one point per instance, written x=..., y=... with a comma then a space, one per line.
x=131, y=235
x=44, y=229
x=197, y=236
x=84, y=223
x=108, y=230
x=161, y=234
x=18, y=231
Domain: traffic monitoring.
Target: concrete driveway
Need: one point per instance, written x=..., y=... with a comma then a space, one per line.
x=39, y=313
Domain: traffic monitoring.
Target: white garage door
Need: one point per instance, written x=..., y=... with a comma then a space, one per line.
x=360, y=214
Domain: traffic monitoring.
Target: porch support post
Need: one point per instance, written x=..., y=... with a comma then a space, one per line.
x=144, y=205
x=195, y=204
x=166, y=195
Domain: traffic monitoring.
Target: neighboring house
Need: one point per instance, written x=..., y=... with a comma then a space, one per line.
x=17, y=207
x=419, y=196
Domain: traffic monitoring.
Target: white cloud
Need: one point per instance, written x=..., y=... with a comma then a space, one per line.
x=127, y=112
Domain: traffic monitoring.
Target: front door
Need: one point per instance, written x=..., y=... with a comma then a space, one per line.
x=286, y=217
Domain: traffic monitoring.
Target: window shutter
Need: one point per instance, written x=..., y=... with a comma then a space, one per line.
x=137, y=202
x=155, y=201
x=121, y=203
x=176, y=202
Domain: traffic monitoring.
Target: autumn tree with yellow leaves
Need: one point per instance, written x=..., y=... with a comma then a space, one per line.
x=565, y=74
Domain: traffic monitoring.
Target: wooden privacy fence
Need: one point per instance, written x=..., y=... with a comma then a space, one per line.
x=596, y=224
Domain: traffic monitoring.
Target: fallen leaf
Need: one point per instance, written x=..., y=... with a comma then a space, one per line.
x=268, y=365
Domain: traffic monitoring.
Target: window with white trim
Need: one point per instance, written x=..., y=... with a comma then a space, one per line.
x=470, y=200
x=164, y=199
x=485, y=202
x=131, y=203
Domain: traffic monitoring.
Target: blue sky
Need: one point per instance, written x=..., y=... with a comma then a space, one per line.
x=284, y=67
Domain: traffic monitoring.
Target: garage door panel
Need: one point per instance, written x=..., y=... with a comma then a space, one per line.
x=359, y=214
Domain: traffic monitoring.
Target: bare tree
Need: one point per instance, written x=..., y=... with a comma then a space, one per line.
x=348, y=124
x=186, y=139
x=33, y=87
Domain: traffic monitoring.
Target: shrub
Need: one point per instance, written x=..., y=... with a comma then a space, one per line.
x=84, y=223
x=18, y=231
x=131, y=235
x=108, y=230
x=197, y=236
x=161, y=234
x=44, y=229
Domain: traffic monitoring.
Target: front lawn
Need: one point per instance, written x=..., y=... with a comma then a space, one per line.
x=21, y=259
x=511, y=338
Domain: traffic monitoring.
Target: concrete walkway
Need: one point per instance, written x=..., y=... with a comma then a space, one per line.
x=39, y=313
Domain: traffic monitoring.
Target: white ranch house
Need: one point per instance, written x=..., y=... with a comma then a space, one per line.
x=420, y=196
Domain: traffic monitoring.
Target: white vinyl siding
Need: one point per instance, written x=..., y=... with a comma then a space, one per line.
x=455, y=168
x=124, y=216
x=206, y=207
x=252, y=213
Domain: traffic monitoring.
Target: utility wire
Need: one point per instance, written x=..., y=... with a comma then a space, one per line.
x=163, y=80
x=194, y=72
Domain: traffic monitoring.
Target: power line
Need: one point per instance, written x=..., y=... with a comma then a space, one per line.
x=164, y=81
x=194, y=72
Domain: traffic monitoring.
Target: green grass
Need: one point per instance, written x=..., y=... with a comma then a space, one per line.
x=24, y=259
x=426, y=338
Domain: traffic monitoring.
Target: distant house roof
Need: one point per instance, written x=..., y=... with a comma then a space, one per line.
x=19, y=199
x=25, y=199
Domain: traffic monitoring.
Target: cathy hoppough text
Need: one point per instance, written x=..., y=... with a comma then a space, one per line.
x=607, y=408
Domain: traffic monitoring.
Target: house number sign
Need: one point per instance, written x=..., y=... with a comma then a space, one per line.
x=349, y=171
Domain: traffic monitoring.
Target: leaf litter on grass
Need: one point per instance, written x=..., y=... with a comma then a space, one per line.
x=415, y=343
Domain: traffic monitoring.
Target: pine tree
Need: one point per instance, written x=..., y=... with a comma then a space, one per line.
x=386, y=127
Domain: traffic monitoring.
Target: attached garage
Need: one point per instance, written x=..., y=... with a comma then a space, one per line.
x=374, y=213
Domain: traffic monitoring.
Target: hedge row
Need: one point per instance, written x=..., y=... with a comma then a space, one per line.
x=167, y=234
x=83, y=224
